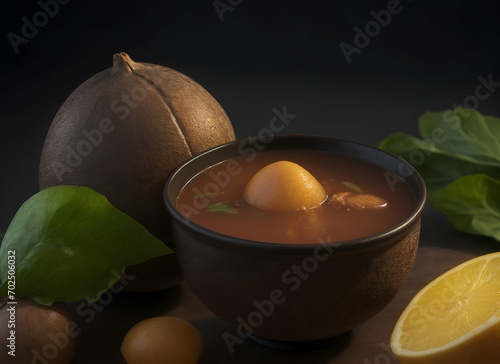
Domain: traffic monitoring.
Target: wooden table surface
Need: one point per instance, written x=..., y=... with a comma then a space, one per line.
x=103, y=327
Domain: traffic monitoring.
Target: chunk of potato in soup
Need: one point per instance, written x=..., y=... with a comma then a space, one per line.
x=359, y=201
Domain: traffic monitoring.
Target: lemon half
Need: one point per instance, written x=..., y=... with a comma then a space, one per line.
x=455, y=319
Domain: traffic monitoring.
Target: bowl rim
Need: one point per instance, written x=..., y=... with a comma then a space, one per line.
x=368, y=242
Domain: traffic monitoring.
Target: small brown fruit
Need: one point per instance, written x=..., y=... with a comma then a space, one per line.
x=121, y=133
x=160, y=340
x=40, y=334
x=284, y=186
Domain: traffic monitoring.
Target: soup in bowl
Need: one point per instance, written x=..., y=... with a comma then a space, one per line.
x=300, y=239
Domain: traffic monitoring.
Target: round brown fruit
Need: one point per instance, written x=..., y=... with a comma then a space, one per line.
x=42, y=334
x=284, y=186
x=160, y=340
x=121, y=133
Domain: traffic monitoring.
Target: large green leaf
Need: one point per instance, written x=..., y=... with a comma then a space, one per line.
x=454, y=143
x=472, y=204
x=70, y=243
x=459, y=159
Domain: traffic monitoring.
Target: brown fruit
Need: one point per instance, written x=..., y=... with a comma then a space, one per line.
x=42, y=334
x=284, y=186
x=160, y=340
x=121, y=133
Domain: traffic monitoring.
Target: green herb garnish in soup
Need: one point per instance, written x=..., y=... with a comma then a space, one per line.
x=295, y=197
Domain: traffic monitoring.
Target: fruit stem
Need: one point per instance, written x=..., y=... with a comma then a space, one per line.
x=122, y=62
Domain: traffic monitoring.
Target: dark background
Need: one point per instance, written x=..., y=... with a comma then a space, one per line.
x=263, y=55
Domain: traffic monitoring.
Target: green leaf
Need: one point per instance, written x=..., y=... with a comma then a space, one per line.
x=454, y=143
x=472, y=204
x=206, y=194
x=221, y=207
x=353, y=186
x=70, y=243
x=459, y=159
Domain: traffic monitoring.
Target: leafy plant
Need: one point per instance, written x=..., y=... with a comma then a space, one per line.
x=69, y=243
x=472, y=203
x=459, y=159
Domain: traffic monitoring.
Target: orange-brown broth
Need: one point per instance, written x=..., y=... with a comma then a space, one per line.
x=325, y=223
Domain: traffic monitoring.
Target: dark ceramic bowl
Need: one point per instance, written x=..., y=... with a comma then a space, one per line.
x=258, y=287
